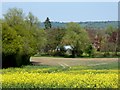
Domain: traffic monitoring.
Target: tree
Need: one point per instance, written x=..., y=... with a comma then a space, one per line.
x=33, y=25
x=14, y=16
x=118, y=42
x=20, y=41
x=1, y=43
x=90, y=50
x=54, y=37
x=47, y=23
x=109, y=30
x=76, y=37
x=32, y=20
x=11, y=46
x=111, y=39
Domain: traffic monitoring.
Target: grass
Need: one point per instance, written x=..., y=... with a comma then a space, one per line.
x=51, y=69
x=44, y=76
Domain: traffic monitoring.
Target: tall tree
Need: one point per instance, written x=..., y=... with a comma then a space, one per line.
x=32, y=20
x=47, y=23
x=76, y=37
x=54, y=37
x=20, y=41
x=110, y=39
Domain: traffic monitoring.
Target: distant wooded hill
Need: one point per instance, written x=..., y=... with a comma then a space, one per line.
x=95, y=25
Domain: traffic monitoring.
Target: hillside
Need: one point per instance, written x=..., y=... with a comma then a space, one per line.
x=97, y=25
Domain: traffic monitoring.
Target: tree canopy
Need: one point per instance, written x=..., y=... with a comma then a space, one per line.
x=76, y=37
x=21, y=36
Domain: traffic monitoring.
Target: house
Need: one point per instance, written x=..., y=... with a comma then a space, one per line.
x=67, y=49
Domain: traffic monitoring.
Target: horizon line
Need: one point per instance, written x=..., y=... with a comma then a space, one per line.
x=85, y=21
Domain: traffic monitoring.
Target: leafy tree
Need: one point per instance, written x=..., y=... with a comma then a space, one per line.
x=54, y=37
x=0, y=36
x=33, y=25
x=14, y=16
x=118, y=42
x=32, y=20
x=21, y=38
x=47, y=23
x=76, y=37
x=11, y=46
x=1, y=43
x=111, y=39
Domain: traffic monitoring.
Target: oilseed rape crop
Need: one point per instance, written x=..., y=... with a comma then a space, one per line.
x=58, y=78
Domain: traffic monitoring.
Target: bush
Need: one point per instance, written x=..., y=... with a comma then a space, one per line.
x=90, y=51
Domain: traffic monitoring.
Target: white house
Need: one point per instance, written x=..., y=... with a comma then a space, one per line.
x=68, y=49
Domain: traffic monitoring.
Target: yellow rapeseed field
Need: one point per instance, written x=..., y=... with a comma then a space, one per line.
x=42, y=78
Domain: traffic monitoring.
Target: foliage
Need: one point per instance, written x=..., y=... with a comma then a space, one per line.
x=110, y=39
x=76, y=37
x=90, y=50
x=99, y=25
x=54, y=37
x=109, y=30
x=14, y=16
x=0, y=37
x=21, y=37
x=47, y=23
x=32, y=20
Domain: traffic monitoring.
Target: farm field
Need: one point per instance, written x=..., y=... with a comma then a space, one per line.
x=63, y=73
x=59, y=45
x=54, y=61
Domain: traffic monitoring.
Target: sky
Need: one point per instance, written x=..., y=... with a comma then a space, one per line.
x=60, y=0
x=67, y=11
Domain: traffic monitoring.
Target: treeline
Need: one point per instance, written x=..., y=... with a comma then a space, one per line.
x=89, y=24
x=106, y=41
x=22, y=37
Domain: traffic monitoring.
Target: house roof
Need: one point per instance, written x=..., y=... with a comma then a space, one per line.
x=68, y=47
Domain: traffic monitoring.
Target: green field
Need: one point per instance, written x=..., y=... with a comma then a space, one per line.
x=46, y=76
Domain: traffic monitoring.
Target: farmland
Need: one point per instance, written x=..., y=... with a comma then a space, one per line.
x=73, y=61
x=84, y=75
x=70, y=54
